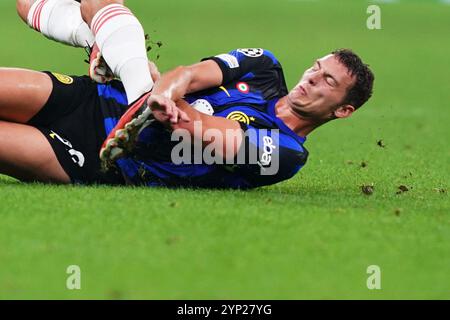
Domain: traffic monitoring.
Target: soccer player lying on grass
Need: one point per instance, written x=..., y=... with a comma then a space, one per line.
x=53, y=126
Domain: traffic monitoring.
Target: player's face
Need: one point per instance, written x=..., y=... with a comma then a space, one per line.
x=322, y=89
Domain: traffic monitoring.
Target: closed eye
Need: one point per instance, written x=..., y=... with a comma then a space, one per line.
x=330, y=81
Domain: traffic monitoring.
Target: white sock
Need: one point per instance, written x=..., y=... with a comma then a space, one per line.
x=60, y=20
x=121, y=40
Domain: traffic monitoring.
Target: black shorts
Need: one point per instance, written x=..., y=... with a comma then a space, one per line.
x=73, y=123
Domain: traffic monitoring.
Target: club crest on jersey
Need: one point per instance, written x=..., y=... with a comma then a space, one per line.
x=63, y=78
x=251, y=52
x=243, y=87
x=240, y=116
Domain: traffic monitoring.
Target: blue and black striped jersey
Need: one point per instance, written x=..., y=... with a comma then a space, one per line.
x=253, y=82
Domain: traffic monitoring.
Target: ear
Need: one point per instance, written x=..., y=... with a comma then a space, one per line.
x=344, y=111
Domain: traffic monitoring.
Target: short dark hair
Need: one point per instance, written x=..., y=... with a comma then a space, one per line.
x=362, y=89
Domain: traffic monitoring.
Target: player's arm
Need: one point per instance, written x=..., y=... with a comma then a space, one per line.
x=182, y=80
x=225, y=134
x=173, y=86
x=212, y=72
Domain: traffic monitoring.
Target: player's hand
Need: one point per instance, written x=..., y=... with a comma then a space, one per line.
x=165, y=110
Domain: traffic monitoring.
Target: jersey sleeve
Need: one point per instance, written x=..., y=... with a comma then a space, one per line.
x=268, y=156
x=240, y=62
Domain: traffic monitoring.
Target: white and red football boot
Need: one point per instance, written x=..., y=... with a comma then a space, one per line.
x=99, y=71
x=122, y=139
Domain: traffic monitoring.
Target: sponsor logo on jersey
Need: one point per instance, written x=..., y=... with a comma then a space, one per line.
x=225, y=90
x=252, y=52
x=240, y=116
x=63, y=78
x=230, y=60
x=243, y=87
x=266, y=157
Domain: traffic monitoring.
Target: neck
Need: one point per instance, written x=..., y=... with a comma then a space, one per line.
x=302, y=126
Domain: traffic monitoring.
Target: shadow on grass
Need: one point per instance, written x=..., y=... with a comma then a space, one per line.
x=5, y=181
x=266, y=190
x=284, y=190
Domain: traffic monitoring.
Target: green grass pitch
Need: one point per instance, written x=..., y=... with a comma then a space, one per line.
x=312, y=237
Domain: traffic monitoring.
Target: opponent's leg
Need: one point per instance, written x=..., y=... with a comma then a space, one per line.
x=23, y=93
x=26, y=154
x=59, y=20
x=121, y=40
